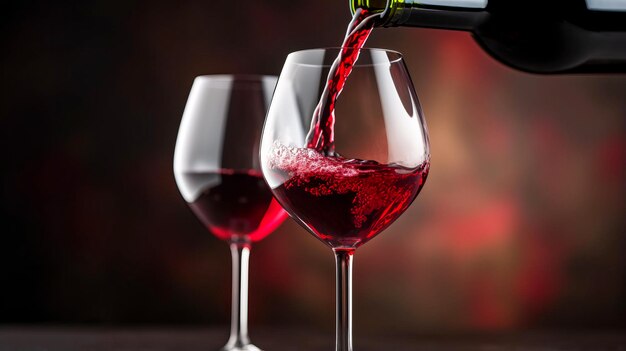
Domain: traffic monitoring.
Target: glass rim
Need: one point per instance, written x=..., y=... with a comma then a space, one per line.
x=235, y=77
x=399, y=57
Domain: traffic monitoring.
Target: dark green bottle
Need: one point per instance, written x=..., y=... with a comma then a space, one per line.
x=541, y=36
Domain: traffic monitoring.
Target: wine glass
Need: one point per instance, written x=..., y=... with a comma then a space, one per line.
x=371, y=169
x=217, y=169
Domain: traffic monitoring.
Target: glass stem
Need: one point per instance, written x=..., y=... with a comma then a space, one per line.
x=343, y=260
x=239, y=313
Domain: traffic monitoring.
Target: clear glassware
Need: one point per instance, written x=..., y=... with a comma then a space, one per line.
x=217, y=170
x=379, y=163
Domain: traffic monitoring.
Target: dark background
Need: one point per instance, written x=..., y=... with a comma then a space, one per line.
x=520, y=226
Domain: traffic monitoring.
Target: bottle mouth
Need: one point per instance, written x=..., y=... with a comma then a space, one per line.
x=374, y=6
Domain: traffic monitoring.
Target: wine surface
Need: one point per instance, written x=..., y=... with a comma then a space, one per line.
x=344, y=202
x=237, y=205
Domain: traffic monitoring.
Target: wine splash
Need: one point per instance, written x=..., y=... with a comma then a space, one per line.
x=344, y=202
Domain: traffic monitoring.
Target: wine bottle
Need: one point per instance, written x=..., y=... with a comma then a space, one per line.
x=555, y=36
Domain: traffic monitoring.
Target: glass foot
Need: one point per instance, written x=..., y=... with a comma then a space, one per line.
x=248, y=347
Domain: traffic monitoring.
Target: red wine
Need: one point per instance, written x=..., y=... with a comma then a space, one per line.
x=321, y=133
x=237, y=205
x=343, y=202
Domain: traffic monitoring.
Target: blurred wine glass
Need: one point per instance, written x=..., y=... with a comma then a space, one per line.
x=217, y=170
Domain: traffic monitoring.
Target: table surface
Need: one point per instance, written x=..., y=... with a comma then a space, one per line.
x=28, y=338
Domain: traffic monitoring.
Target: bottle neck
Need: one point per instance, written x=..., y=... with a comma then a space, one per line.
x=449, y=14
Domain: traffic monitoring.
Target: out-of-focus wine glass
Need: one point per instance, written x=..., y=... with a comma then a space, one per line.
x=217, y=169
x=378, y=165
